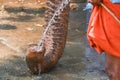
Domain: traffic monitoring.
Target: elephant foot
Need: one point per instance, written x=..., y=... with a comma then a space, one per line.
x=113, y=67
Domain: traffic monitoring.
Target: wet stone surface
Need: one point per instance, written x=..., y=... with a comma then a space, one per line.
x=78, y=62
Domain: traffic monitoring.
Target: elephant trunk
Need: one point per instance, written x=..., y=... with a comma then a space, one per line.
x=55, y=40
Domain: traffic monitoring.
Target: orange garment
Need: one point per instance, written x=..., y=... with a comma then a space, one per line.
x=103, y=30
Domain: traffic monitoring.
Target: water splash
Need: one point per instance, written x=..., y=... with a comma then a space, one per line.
x=57, y=12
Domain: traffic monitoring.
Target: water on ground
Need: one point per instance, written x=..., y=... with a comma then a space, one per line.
x=19, y=28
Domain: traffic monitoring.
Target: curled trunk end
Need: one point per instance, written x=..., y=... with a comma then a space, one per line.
x=54, y=43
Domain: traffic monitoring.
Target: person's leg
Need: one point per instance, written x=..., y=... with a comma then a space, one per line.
x=112, y=67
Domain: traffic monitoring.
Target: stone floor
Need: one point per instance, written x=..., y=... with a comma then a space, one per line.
x=18, y=29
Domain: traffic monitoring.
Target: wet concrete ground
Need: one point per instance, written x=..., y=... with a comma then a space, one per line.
x=19, y=29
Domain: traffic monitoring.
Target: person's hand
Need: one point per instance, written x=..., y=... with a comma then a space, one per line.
x=95, y=2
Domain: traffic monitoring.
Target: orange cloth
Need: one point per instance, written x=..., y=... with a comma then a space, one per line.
x=103, y=30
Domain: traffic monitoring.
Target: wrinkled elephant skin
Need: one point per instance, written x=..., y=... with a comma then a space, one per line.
x=40, y=62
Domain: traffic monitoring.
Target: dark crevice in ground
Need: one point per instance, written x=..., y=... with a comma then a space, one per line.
x=28, y=11
x=7, y=27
